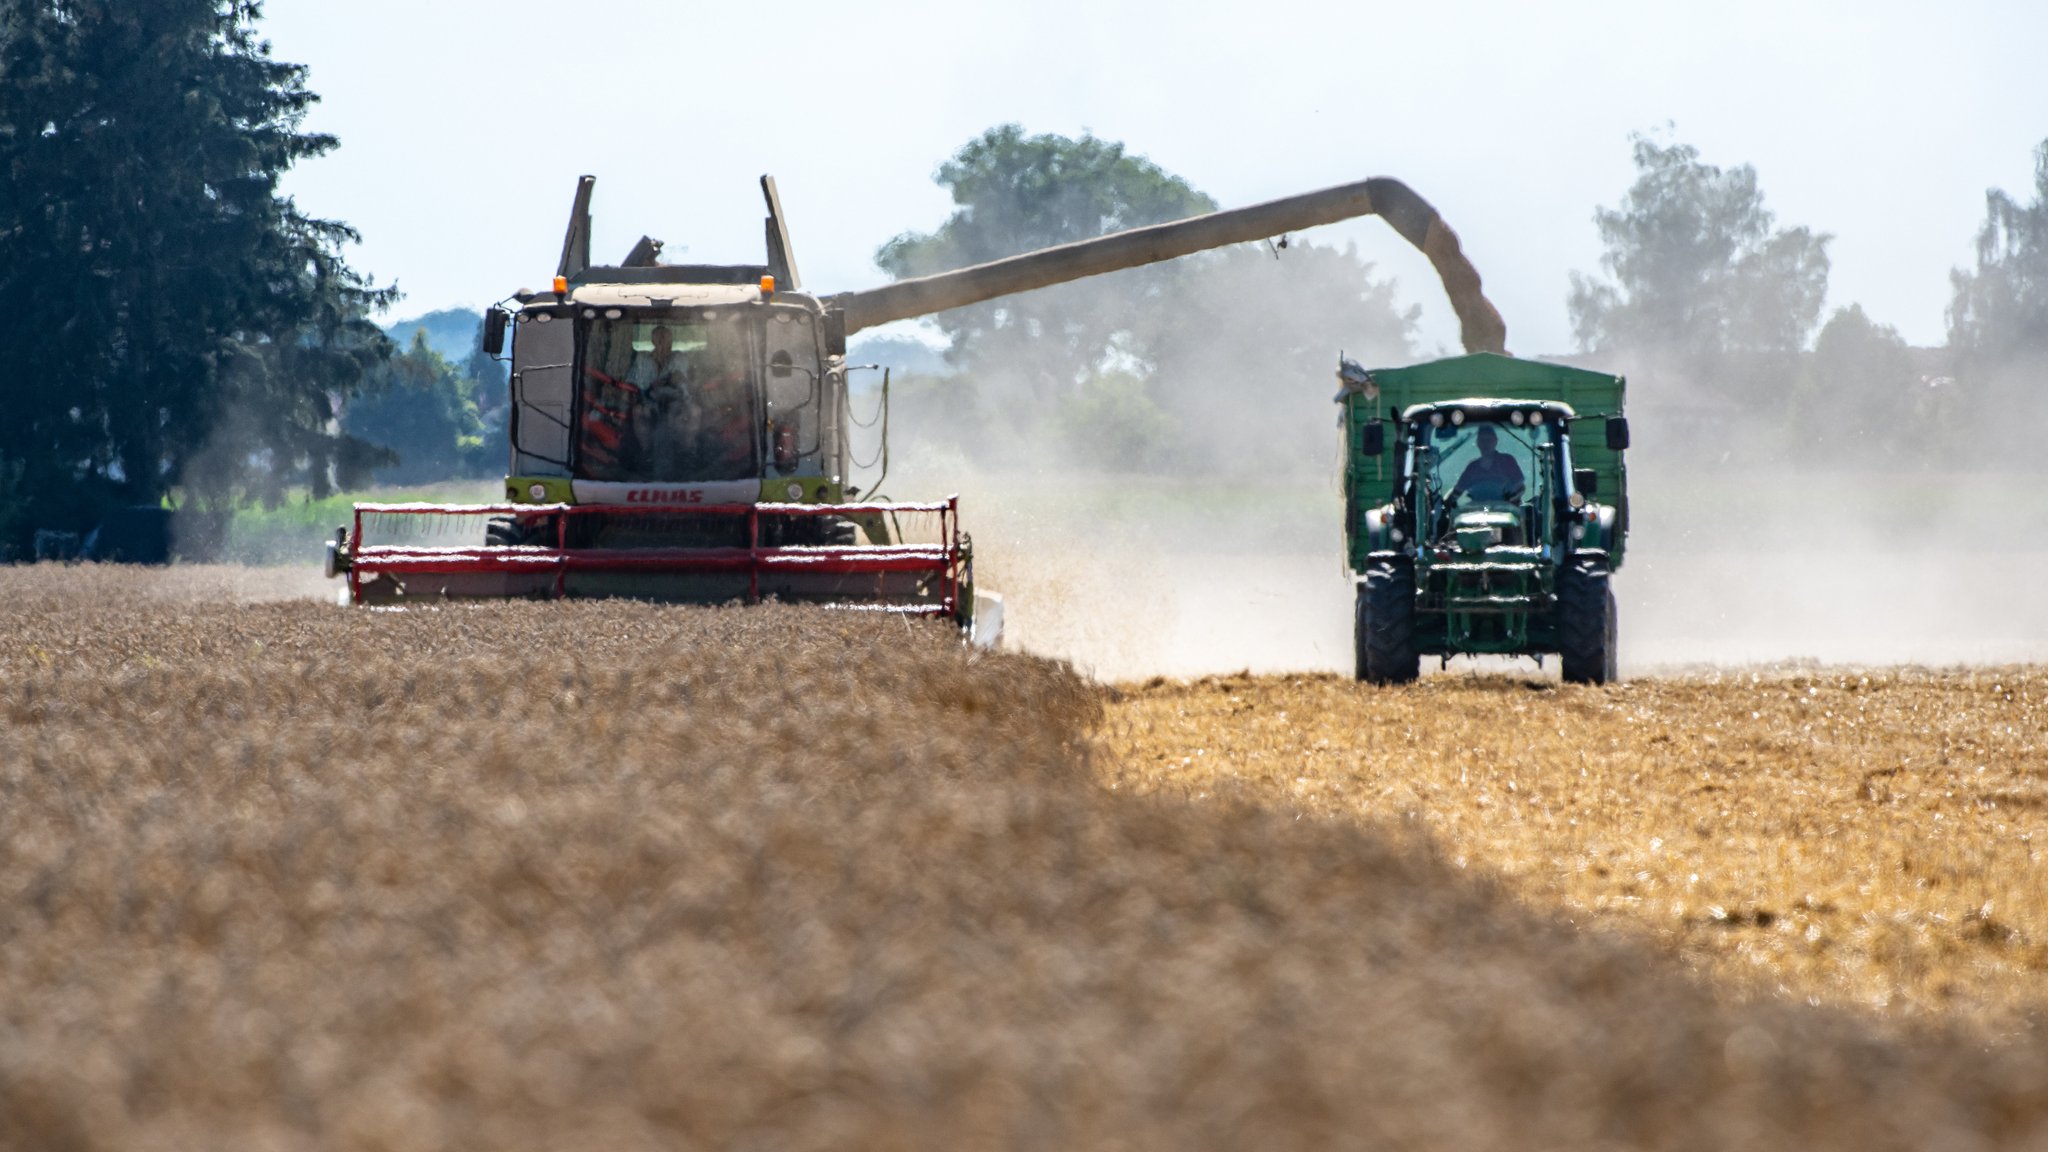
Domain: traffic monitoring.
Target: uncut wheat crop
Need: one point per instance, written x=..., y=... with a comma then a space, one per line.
x=281, y=875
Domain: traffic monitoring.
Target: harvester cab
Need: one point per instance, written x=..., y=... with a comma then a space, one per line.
x=1486, y=509
x=651, y=383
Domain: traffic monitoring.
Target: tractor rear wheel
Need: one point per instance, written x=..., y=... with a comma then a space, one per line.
x=1385, y=631
x=1587, y=631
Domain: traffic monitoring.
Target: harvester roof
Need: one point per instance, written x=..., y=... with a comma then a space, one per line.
x=603, y=295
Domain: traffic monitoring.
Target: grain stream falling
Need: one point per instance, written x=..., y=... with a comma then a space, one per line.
x=281, y=875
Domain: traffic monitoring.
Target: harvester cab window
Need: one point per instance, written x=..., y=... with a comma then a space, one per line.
x=667, y=399
x=1487, y=462
x=795, y=392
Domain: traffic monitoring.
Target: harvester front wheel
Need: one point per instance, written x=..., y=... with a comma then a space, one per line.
x=1587, y=631
x=506, y=532
x=1385, y=625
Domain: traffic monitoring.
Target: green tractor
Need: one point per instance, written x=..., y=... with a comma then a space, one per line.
x=1491, y=519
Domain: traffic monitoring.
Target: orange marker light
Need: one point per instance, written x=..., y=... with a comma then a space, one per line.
x=561, y=285
x=767, y=285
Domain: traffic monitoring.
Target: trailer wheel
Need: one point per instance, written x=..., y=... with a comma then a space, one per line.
x=1385, y=625
x=1587, y=626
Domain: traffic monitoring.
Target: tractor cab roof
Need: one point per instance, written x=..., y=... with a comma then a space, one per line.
x=1484, y=408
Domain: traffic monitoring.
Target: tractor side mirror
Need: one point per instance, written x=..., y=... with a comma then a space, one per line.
x=1617, y=433
x=1585, y=482
x=835, y=332
x=494, y=331
x=1372, y=439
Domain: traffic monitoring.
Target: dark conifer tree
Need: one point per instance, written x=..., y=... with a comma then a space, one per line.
x=172, y=322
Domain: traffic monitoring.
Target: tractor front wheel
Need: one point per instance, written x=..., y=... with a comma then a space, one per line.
x=1586, y=626
x=1385, y=625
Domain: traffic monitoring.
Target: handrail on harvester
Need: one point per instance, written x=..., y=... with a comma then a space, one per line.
x=941, y=559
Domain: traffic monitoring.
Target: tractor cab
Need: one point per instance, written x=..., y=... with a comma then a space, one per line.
x=1488, y=471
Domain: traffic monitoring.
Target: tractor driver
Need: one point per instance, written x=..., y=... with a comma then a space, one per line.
x=1493, y=475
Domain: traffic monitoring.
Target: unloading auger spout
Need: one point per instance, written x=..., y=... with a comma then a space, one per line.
x=1479, y=322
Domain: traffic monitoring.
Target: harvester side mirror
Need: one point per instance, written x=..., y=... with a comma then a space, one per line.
x=780, y=364
x=1585, y=482
x=1617, y=433
x=494, y=331
x=835, y=332
x=1372, y=439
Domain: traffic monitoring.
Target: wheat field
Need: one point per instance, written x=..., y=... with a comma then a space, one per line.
x=1875, y=838
x=279, y=875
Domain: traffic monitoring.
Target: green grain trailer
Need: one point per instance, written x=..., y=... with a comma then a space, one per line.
x=1485, y=508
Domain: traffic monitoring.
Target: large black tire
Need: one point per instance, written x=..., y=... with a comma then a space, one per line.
x=1360, y=622
x=1587, y=631
x=1384, y=635
x=507, y=532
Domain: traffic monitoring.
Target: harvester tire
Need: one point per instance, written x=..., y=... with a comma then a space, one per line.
x=1587, y=629
x=1385, y=633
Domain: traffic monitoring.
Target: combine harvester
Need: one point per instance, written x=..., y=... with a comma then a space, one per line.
x=680, y=432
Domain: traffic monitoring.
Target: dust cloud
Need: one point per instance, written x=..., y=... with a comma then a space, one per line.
x=1131, y=575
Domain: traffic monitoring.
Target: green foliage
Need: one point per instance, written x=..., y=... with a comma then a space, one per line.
x=1016, y=193
x=292, y=531
x=173, y=322
x=13, y=506
x=427, y=417
x=1699, y=270
x=1998, y=317
x=1113, y=420
x=1862, y=398
x=449, y=331
x=1215, y=361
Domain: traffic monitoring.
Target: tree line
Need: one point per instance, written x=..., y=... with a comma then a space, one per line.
x=180, y=332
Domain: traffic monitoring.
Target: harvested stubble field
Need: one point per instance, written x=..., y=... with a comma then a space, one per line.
x=278, y=875
x=1873, y=837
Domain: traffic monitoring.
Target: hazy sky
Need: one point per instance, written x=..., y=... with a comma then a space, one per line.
x=464, y=125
